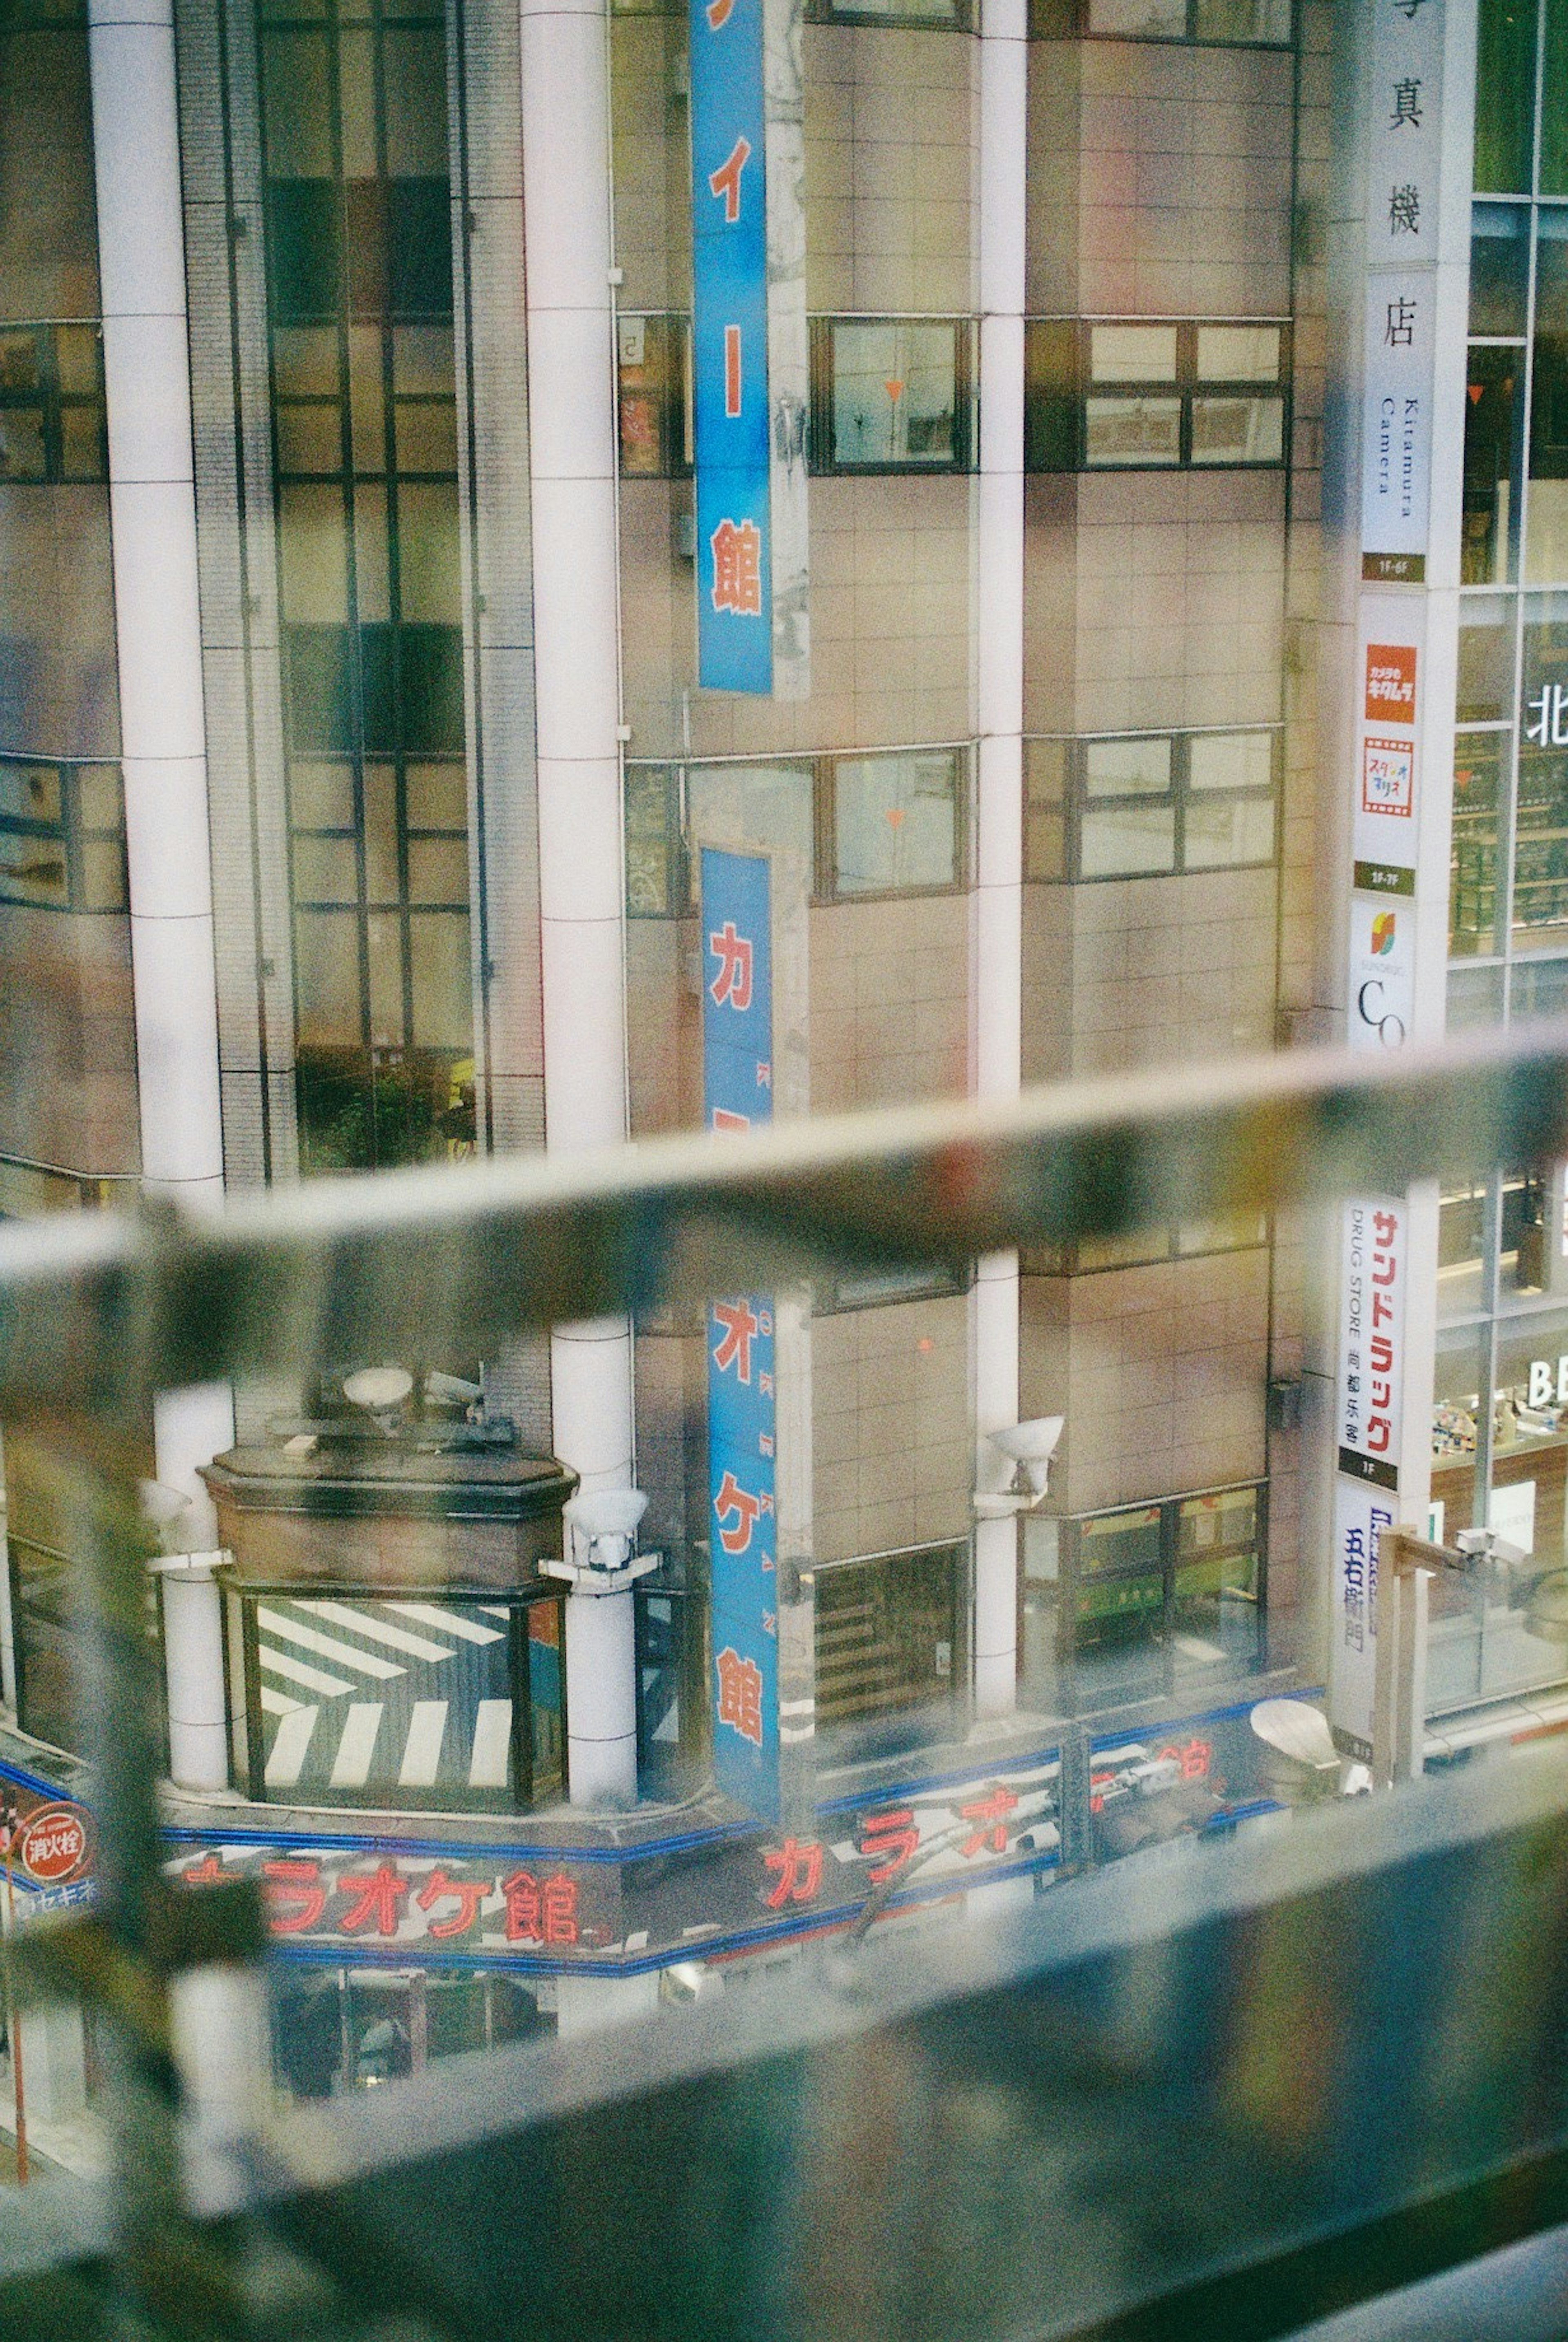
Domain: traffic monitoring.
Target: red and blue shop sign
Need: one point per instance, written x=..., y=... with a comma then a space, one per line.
x=738, y=1092
x=730, y=347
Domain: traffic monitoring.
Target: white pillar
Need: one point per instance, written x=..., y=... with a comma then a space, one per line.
x=587, y=2005
x=998, y=897
x=193, y=1669
x=572, y=429
x=157, y=618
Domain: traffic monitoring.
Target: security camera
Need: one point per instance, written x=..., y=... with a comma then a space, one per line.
x=602, y=1524
x=451, y=1390
x=1031, y=1446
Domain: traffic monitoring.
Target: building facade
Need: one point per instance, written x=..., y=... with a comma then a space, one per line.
x=572, y=575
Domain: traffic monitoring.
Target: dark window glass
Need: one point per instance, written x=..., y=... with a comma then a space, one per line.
x=1553, y=102
x=48, y=237
x=654, y=359
x=1493, y=417
x=365, y=440
x=1504, y=95
x=1499, y=268
x=654, y=887
x=887, y=1635
x=1478, y=796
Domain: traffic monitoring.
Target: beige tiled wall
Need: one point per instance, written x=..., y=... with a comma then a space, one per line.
x=890, y=130
x=1160, y=1372
x=1131, y=971
x=890, y=604
x=893, y=1462
x=890, y=1001
x=652, y=154
x=1160, y=180
x=1153, y=599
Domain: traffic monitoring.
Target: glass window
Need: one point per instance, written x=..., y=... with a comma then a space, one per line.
x=894, y=400
x=1217, y=1591
x=1133, y=352
x=1134, y=431
x=895, y=822
x=1238, y=430
x=1504, y=95
x=1220, y=831
x=1546, y=551
x=1493, y=437
x=1499, y=269
x=1091, y=398
x=1478, y=793
x=1126, y=841
x=62, y=836
x=1045, y=809
x=1231, y=760
x=887, y=1641
x=1485, y=692
x=1136, y=767
x=655, y=889
x=654, y=373
x=1249, y=21
x=1541, y=822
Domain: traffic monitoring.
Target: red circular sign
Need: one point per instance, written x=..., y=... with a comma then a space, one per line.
x=54, y=1844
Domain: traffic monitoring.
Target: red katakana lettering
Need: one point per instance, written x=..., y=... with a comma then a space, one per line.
x=732, y=370
x=468, y=1894
x=208, y=1872
x=376, y=1895
x=733, y=981
x=1379, y=1432
x=799, y=1871
x=727, y=180
x=1385, y=1227
x=893, y=1836
x=1382, y=1261
x=991, y=1813
x=741, y=1323
x=718, y=14
x=740, y=1696
x=297, y=1882
x=732, y=1498
x=725, y=1120
x=737, y=568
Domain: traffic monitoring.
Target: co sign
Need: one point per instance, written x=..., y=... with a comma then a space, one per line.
x=54, y=1844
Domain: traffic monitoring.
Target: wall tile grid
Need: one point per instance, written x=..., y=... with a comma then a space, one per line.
x=890, y=1001
x=890, y=604
x=649, y=128
x=892, y=1465
x=1159, y=1371
x=1138, y=972
x=67, y=1040
x=891, y=119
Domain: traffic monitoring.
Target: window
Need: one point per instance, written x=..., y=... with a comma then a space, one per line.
x=1190, y=1240
x=895, y=822
x=889, y=824
x=62, y=835
x=888, y=1635
x=654, y=355
x=956, y=13
x=428, y=1702
x=1149, y=804
x=364, y=426
x=890, y=394
x=1186, y=1574
x=1155, y=395
x=51, y=404
x=1232, y=23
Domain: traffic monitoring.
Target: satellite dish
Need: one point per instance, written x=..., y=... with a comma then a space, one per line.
x=1296, y=1729
x=378, y=1387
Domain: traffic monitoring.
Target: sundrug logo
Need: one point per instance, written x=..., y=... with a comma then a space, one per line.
x=1382, y=933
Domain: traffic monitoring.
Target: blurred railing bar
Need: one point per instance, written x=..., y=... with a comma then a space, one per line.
x=338, y=1268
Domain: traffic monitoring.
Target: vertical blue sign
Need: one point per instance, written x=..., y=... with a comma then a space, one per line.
x=730, y=346
x=737, y=1092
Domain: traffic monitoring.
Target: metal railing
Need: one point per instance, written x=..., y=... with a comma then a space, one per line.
x=99, y=1311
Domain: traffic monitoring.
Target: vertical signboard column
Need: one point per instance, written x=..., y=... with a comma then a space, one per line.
x=737, y=1092
x=730, y=346
x=1397, y=739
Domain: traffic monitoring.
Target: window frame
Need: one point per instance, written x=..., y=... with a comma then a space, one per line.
x=70, y=832
x=1179, y=797
x=821, y=458
x=679, y=863
x=1068, y=20
x=1055, y=419
x=1071, y=1645
x=51, y=403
